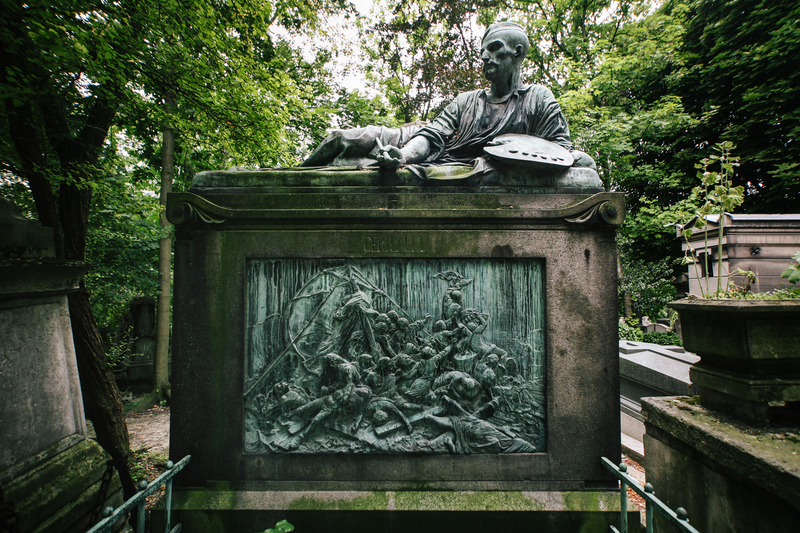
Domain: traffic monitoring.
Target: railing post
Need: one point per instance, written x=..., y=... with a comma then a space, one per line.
x=649, y=506
x=168, y=501
x=652, y=503
x=139, y=500
x=623, y=501
x=141, y=509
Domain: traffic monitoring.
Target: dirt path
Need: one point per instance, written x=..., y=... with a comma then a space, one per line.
x=150, y=429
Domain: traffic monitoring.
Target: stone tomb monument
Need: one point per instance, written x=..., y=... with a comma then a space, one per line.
x=388, y=347
x=52, y=477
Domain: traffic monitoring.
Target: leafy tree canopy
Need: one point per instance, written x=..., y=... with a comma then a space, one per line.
x=742, y=75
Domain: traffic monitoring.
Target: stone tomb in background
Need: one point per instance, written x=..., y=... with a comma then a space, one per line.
x=365, y=352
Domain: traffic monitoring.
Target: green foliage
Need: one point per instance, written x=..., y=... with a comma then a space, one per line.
x=122, y=247
x=353, y=109
x=117, y=351
x=570, y=38
x=743, y=289
x=742, y=76
x=83, y=86
x=147, y=465
x=649, y=285
x=629, y=332
x=664, y=338
x=243, y=97
x=777, y=294
x=421, y=54
x=281, y=527
x=792, y=274
x=630, y=117
x=715, y=196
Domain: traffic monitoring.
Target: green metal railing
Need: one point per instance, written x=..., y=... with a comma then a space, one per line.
x=113, y=516
x=678, y=518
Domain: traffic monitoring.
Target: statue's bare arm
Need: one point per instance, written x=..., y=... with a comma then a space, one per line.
x=415, y=151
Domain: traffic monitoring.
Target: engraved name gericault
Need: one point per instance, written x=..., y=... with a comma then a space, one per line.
x=394, y=243
x=346, y=358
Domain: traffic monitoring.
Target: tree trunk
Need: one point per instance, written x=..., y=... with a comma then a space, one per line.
x=101, y=396
x=161, y=387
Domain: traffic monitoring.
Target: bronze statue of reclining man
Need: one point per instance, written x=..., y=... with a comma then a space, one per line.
x=468, y=124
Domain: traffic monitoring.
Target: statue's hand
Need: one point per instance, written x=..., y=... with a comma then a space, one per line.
x=390, y=157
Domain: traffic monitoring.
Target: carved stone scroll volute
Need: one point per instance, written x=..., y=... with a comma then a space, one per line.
x=606, y=212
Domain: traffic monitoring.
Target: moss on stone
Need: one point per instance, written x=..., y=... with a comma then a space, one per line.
x=466, y=501
x=582, y=501
x=368, y=502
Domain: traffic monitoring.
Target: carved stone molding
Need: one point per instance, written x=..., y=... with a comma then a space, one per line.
x=605, y=211
x=221, y=207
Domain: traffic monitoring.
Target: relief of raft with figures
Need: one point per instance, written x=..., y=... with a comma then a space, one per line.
x=395, y=356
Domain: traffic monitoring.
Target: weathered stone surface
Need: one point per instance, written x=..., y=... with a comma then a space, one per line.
x=61, y=492
x=224, y=233
x=730, y=478
x=40, y=397
x=738, y=332
x=662, y=368
x=50, y=473
x=748, y=352
x=648, y=370
x=22, y=238
x=229, y=511
x=549, y=181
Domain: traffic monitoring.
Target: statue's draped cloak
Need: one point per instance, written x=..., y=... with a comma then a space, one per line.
x=460, y=132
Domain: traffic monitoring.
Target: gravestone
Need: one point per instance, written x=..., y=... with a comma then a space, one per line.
x=648, y=370
x=138, y=331
x=363, y=350
x=52, y=477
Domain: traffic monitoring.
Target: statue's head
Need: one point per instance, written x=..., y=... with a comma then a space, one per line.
x=504, y=46
x=511, y=33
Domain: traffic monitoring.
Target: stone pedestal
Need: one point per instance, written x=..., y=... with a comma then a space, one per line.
x=729, y=477
x=749, y=362
x=50, y=473
x=276, y=269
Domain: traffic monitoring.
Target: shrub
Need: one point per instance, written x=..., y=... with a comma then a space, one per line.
x=664, y=338
x=629, y=333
